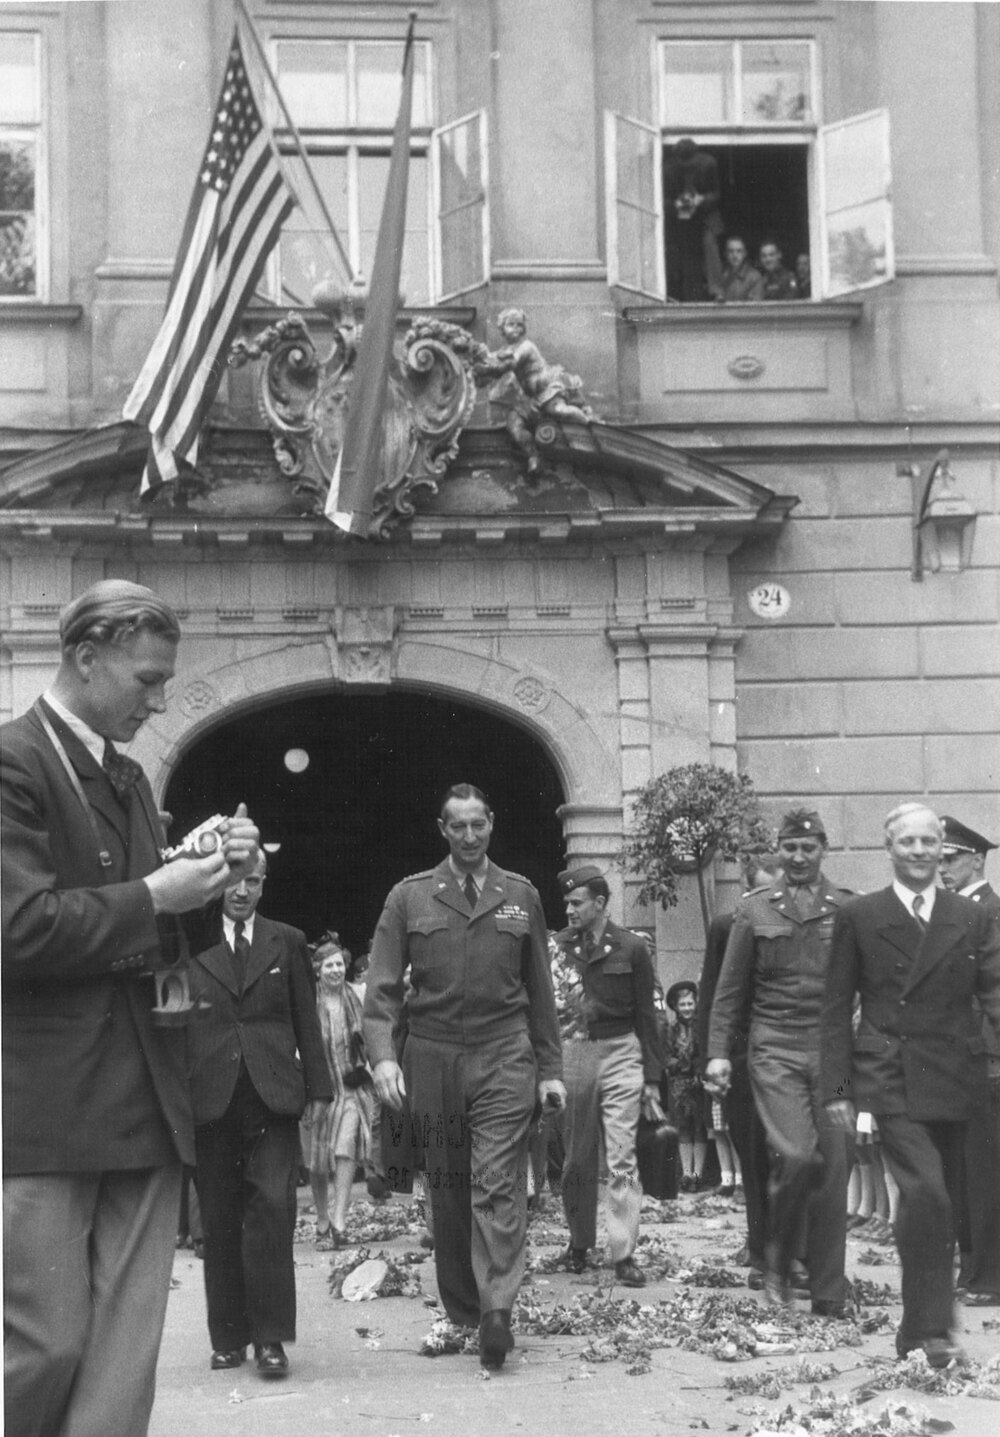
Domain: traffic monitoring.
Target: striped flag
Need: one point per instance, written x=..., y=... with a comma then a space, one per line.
x=239, y=205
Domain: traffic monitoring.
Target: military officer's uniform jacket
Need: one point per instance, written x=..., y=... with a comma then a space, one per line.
x=474, y=977
x=775, y=967
x=617, y=982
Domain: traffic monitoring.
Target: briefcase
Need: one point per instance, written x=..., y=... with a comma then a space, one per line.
x=656, y=1151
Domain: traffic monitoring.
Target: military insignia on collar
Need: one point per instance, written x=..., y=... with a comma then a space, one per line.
x=512, y=910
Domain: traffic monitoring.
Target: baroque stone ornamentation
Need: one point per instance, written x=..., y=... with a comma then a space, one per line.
x=304, y=397
x=532, y=695
x=198, y=697
x=746, y=366
x=365, y=641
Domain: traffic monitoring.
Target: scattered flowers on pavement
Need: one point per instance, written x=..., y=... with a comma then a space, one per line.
x=401, y=1279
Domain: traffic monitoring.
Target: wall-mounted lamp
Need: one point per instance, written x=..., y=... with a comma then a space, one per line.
x=943, y=522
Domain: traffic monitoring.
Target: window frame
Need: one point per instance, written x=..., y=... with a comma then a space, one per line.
x=38, y=132
x=353, y=143
x=478, y=118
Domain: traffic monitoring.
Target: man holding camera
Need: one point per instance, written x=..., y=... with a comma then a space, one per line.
x=97, y=1117
x=256, y=1055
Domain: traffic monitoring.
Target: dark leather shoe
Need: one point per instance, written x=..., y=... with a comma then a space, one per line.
x=755, y=1279
x=823, y=1307
x=778, y=1292
x=940, y=1351
x=495, y=1338
x=223, y=1360
x=628, y=1274
x=271, y=1359
x=575, y=1258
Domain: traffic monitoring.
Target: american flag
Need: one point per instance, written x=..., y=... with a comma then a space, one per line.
x=239, y=205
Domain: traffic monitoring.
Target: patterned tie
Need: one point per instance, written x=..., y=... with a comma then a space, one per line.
x=471, y=892
x=241, y=954
x=123, y=773
x=918, y=904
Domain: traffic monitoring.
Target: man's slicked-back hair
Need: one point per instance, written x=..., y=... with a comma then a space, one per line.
x=462, y=792
x=902, y=810
x=112, y=610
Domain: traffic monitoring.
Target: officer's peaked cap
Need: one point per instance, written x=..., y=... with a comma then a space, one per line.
x=960, y=839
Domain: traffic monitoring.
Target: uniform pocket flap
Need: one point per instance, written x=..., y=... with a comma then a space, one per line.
x=773, y=930
x=427, y=923
x=617, y=965
x=511, y=924
x=873, y=1043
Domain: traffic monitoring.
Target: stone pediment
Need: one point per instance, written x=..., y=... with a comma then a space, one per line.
x=598, y=477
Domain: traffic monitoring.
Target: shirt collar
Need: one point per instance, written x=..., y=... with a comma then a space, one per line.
x=971, y=888
x=478, y=874
x=907, y=895
x=229, y=929
x=92, y=741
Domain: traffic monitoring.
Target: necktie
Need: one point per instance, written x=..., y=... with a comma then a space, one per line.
x=123, y=773
x=241, y=953
x=918, y=904
x=471, y=891
x=803, y=900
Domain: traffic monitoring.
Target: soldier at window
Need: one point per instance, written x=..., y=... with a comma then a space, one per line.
x=691, y=205
x=779, y=282
x=741, y=283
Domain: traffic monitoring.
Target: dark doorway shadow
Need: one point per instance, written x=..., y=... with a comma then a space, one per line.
x=362, y=814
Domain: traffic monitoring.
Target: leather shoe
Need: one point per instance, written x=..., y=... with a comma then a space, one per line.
x=940, y=1351
x=223, y=1360
x=495, y=1338
x=575, y=1258
x=628, y=1274
x=271, y=1359
x=755, y=1279
x=824, y=1307
x=778, y=1292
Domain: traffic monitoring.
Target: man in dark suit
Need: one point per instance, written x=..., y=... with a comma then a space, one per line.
x=612, y=1069
x=257, y=1060
x=96, y=1115
x=918, y=955
x=963, y=862
x=482, y=1046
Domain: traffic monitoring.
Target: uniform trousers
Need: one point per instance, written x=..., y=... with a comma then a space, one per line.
x=926, y=1161
x=87, y=1262
x=247, y=1168
x=604, y=1080
x=750, y=1141
x=809, y=1167
x=472, y=1107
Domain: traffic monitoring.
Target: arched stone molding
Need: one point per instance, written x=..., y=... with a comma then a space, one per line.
x=251, y=673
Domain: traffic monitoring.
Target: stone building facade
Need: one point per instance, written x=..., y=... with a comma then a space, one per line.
x=720, y=569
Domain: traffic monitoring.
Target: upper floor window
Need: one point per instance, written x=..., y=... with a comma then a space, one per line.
x=22, y=271
x=739, y=166
x=344, y=96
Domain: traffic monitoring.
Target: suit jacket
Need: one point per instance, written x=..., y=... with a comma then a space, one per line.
x=89, y=1083
x=271, y=1025
x=474, y=976
x=917, y=1045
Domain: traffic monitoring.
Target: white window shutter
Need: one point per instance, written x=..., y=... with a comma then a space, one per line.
x=634, y=180
x=460, y=173
x=855, y=190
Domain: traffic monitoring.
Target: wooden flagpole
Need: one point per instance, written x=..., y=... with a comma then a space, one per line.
x=300, y=148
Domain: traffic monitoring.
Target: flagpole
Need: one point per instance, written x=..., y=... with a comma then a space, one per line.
x=262, y=56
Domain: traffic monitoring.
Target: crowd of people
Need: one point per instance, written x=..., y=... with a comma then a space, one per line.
x=695, y=228
x=156, y=1023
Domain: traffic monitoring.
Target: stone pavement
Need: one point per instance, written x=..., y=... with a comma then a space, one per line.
x=356, y=1369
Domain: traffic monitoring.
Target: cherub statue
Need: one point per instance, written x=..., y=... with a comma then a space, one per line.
x=529, y=388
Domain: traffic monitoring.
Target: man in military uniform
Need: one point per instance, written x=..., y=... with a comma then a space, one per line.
x=482, y=1045
x=962, y=871
x=612, y=1068
x=775, y=963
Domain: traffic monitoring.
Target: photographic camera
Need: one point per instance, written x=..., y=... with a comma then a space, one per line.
x=205, y=839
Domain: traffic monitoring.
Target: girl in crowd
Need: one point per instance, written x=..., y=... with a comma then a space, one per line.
x=684, y=1095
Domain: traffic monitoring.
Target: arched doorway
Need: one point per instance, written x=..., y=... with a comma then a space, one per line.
x=361, y=815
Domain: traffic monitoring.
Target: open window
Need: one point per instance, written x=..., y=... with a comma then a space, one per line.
x=460, y=173
x=821, y=192
x=23, y=264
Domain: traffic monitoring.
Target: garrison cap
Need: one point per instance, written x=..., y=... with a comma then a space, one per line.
x=960, y=839
x=801, y=823
x=576, y=877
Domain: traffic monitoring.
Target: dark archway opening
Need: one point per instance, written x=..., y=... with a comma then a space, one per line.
x=362, y=815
